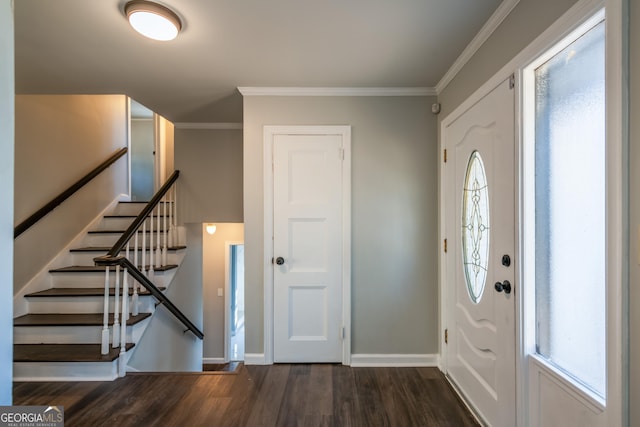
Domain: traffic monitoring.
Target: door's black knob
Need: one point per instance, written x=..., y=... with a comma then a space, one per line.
x=504, y=286
x=279, y=260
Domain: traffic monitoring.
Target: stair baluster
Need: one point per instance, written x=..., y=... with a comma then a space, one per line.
x=165, y=233
x=151, y=272
x=104, y=349
x=171, y=230
x=134, y=298
x=143, y=267
x=158, y=248
x=122, y=362
x=176, y=236
x=116, y=311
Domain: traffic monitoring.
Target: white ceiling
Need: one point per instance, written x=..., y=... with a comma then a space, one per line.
x=87, y=46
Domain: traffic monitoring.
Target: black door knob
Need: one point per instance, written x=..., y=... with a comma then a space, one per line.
x=279, y=260
x=504, y=286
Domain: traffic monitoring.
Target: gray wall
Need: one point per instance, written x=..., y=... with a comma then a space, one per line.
x=164, y=347
x=634, y=217
x=394, y=210
x=60, y=138
x=6, y=201
x=210, y=185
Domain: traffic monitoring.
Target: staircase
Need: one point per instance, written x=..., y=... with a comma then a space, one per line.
x=60, y=336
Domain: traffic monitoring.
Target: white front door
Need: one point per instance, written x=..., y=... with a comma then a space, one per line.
x=479, y=276
x=308, y=247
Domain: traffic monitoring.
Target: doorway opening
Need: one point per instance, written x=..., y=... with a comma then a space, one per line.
x=142, y=149
x=235, y=304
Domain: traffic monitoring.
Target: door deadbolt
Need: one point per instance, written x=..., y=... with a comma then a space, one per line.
x=279, y=260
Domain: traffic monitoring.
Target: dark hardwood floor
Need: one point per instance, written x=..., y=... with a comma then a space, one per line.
x=277, y=395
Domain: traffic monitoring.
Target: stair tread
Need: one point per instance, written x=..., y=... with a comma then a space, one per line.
x=64, y=353
x=83, y=292
x=132, y=216
x=120, y=231
x=108, y=248
x=100, y=268
x=67, y=319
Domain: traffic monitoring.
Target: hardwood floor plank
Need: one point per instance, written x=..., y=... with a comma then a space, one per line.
x=369, y=395
x=267, y=403
x=277, y=395
x=346, y=403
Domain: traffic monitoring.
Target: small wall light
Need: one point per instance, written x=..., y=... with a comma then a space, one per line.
x=211, y=228
x=153, y=20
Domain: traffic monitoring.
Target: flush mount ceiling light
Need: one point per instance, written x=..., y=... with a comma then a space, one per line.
x=153, y=20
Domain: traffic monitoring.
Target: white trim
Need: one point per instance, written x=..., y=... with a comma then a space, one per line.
x=485, y=32
x=213, y=360
x=210, y=126
x=395, y=360
x=337, y=91
x=227, y=296
x=255, y=359
x=269, y=134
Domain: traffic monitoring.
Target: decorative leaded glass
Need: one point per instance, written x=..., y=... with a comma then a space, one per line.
x=475, y=227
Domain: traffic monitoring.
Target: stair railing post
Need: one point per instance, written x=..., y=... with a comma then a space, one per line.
x=170, y=201
x=176, y=238
x=122, y=365
x=104, y=349
x=165, y=232
x=134, y=297
x=144, y=248
x=151, y=266
x=158, y=248
x=116, y=310
x=125, y=292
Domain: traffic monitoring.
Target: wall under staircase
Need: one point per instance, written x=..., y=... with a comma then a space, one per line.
x=58, y=326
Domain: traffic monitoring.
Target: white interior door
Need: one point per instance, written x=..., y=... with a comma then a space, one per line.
x=308, y=247
x=479, y=279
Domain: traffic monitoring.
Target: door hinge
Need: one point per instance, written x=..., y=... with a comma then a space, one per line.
x=342, y=332
x=512, y=81
x=445, y=155
x=445, y=246
x=341, y=153
x=446, y=336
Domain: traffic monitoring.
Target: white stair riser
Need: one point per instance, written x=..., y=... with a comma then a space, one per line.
x=93, y=304
x=65, y=371
x=109, y=239
x=122, y=223
x=86, y=258
x=134, y=208
x=96, y=279
x=71, y=334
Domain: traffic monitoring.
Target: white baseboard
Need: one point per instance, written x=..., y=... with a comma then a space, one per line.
x=394, y=360
x=254, y=359
x=213, y=360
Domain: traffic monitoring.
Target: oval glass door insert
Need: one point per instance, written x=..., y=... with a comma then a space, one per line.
x=475, y=227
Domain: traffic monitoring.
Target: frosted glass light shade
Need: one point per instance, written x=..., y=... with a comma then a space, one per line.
x=211, y=228
x=153, y=20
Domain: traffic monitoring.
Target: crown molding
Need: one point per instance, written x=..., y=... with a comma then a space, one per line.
x=485, y=32
x=337, y=91
x=211, y=126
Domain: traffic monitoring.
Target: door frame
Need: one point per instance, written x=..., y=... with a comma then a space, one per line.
x=617, y=119
x=270, y=133
x=227, y=296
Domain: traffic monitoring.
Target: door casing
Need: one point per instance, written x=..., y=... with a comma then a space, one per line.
x=269, y=133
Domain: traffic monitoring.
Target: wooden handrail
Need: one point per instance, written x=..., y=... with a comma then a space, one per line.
x=113, y=258
x=121, y=243
x=43, y=211
x=108, y=261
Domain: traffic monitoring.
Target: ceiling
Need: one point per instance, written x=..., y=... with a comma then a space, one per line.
x=81, y=46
